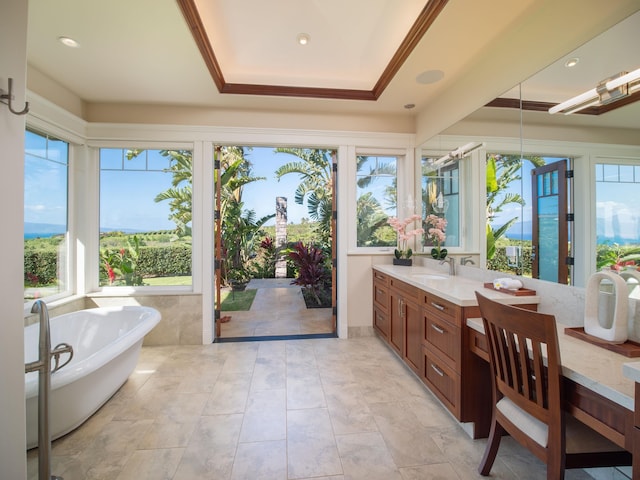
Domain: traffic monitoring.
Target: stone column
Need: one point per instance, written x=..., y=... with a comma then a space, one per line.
x=281, y=235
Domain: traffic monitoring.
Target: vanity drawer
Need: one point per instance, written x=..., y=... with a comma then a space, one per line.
x=380, y=278
x=447, y=310
x=444, y=337
x=409, y=292
x=478, y=344
x=381, y=296
x=443, y=381
x=381, y=322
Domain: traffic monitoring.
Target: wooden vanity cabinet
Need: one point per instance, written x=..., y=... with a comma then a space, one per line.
x=381, y=320
x=430, y=335
x=442, y=349
x=406, y=323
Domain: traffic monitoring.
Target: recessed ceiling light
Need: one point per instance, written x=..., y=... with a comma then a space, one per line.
x=69, y=42
x=572, y=62
x=303, y=38
x=430, y=76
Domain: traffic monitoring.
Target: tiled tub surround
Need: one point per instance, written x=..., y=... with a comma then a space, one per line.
x=275, y=410
x=181, y=322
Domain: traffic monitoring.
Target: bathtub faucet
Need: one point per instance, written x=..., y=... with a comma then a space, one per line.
x=43, y=367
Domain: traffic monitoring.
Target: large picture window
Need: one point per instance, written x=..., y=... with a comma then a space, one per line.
x=376, y=200
x=45, y=216
x=145, y=217
x=617, y=216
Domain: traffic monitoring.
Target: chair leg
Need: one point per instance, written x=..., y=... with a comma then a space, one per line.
x=555, y=469
x=495, y=435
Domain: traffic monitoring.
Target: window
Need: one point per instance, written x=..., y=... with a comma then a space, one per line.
x=45, y=216
x=440, y=190
x=145, y=217
x=617, y=216
x=376, y=200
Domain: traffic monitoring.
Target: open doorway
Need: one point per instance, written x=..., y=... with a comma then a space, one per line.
x=275, y=243
x=529, y=227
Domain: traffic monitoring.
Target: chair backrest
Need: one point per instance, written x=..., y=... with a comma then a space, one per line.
x=518, y=340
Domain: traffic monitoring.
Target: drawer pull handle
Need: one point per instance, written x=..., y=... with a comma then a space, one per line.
x=437, y=370
x=437, y=328
x=438, y=306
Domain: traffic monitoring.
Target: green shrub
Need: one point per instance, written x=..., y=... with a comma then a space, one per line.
x=500, y=263
x=40, y=267
x=172, y=260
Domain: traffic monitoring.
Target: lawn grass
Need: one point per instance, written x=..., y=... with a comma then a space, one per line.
x=168, y=281
x=235, y=301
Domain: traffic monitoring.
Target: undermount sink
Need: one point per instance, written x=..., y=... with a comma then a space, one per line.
x=428, y=276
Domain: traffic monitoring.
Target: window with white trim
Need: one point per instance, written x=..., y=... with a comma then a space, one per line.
x=145, y=217
x=376, y=200
x=46, y=171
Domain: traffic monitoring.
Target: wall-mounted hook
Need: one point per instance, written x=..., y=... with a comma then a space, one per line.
x=7, y=98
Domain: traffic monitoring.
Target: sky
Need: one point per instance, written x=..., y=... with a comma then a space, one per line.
x=127, y=198
x=116, y=210
x=261, y=196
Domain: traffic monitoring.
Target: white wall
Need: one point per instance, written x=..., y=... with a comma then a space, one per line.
x=13, y=47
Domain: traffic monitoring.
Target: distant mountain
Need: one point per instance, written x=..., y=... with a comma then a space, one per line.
x=46, y=230
x=520, y=231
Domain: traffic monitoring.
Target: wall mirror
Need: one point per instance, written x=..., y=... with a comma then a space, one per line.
x=565, y=226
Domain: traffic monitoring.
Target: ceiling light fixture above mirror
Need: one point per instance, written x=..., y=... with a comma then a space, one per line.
x=607, y=91
x=456, y=154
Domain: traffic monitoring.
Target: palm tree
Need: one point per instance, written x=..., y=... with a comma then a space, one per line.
x=316, y=186
x=180, y=193
x=501, y=171
x=372, y=227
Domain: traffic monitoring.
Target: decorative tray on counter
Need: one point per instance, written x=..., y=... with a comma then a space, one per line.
x=518, y=293
x=629, y=348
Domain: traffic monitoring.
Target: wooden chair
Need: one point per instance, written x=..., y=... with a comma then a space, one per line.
x=528, y=398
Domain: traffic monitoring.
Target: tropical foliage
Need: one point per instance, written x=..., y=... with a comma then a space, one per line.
x=371, y=216
x=313, y=272
x=502, y=170
x=241, y=231
x=314, y=168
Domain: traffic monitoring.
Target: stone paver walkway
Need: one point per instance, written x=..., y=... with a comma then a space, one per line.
x=278, y=309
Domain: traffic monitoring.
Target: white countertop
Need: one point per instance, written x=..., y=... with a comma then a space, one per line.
x=632, y=371
x=596, y=368
x=610, y=374
x=457, y=290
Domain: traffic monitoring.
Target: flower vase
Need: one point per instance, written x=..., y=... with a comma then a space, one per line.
x=406, y=262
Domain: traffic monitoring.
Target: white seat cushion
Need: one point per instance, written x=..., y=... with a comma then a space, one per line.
x=579, y=437
x=530, y=425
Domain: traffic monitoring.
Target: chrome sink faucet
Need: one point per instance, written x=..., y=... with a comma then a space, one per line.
x=465, y=260
x=452, y=264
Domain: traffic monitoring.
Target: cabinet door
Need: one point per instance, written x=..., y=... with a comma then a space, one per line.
x=413, y=345
x=396, y=315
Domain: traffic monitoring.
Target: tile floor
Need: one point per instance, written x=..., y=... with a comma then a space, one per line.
x=278, y=309
x=300, y=409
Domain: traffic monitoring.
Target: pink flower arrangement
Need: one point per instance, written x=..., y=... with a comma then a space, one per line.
x=400, y=226
x=437, y=235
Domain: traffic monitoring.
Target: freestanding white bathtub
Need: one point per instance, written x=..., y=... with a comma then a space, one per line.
x=106, y=344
